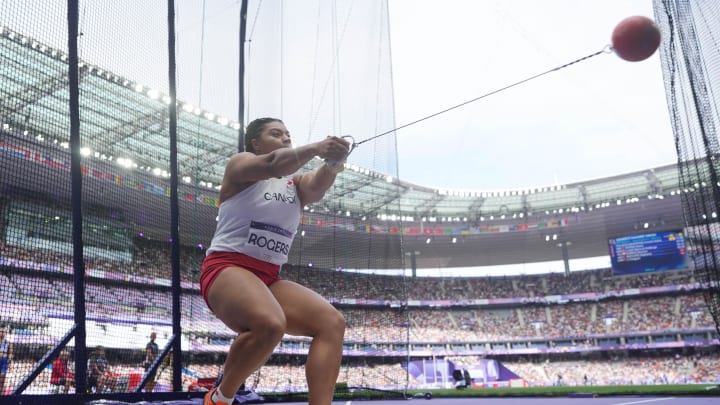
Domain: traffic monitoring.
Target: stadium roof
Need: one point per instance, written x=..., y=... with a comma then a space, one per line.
x=124, y=119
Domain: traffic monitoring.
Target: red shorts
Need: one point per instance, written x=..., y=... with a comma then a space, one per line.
x=216, y=262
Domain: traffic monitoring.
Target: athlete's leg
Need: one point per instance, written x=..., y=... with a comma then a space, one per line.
x=244, y=303
x=309, y=314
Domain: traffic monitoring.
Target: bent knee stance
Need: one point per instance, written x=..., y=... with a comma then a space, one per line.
x=269, y=331
x=334, y=323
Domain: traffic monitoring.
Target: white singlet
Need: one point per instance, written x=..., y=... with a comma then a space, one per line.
x=260, y=221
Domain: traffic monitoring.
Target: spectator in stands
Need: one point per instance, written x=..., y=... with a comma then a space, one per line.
x=61, y=375
x=6, y=353
x=151, y=352
x=99, y=374
x=261, y=201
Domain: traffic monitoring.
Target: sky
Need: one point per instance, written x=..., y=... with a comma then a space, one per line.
x=600, y=117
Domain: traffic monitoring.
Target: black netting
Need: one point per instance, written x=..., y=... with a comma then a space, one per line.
x=325, y=71
x=691, y=68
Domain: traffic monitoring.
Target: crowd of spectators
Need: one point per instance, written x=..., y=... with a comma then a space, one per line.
x=152, y=259
x=673, y=369
x=616, y=370
x=41, y=297
x=33, y=295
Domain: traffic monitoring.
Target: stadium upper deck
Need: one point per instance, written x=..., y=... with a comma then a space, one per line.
x=466, y=228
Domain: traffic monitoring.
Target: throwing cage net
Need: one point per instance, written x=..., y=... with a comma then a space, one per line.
x=691, y=68
x=116, y=121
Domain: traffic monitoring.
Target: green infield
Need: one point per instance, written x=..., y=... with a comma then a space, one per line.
x=363, y=393
x=675, y=390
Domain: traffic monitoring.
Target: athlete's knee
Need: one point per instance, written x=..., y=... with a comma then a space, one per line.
x=334, y=322
x=270, y=329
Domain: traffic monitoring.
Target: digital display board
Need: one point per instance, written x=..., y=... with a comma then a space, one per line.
x=649, y=252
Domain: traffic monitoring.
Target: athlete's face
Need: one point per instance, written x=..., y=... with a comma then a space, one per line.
x=274, y=136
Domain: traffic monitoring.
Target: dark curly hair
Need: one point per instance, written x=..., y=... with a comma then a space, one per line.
x=255, y=129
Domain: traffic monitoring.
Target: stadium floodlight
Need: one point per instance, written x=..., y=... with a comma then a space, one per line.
x=125, y=162
x=85, y=151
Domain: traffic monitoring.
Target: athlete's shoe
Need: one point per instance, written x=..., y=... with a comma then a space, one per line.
x=208, y=398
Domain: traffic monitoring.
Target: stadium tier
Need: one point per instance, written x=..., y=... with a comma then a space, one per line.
x=549, y=316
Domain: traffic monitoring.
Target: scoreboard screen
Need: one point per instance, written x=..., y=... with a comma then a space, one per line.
x=646, y=253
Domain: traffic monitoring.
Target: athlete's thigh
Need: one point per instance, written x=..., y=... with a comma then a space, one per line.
x=305, y=310
x=241, y=300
